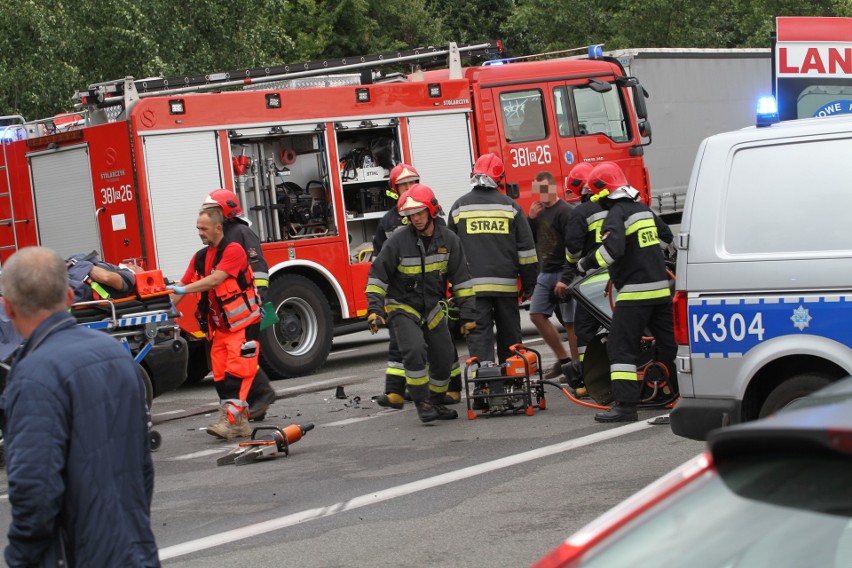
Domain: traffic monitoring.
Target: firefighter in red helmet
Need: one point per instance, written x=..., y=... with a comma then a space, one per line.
x=220, y=273
x=236, y=229
x=630, y=248
x=406, y=287
x=499, y=247
x=583, y=236
x=402, y=177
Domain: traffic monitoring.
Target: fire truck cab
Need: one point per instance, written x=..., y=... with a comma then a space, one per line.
x=309, y=157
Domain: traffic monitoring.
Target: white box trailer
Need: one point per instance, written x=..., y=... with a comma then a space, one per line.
x=694, y=93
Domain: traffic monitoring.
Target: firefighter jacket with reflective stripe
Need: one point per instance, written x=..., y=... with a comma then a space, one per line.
x=238, y=232
x=584, y=230
x=237, y=299
x=410, y=279
x=497, y=241
x=630, y=247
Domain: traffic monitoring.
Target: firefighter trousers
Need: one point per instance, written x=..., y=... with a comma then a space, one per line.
x=427, y=356
x=503, y=312
x=234, y=358
x=395, y=371
x=585, y=327
x=629, y=325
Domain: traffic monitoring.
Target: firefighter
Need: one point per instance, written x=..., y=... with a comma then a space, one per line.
x=237, y=230
x=499, y=247
x=584, y=235
x=549, y=220
x=402, y=177
x=630, y=248
x=406, y=288
x=222, y=274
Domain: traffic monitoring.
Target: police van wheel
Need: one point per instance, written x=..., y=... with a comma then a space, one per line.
x=299, y=343
x=792, y=389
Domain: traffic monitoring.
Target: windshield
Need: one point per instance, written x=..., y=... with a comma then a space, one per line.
x=760, y=512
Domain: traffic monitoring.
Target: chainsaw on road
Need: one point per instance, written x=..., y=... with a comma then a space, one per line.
x=272, y=443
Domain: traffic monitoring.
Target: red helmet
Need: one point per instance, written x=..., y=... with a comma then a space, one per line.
x=578, y=178
x=225, y=199
x=417, y=198
x=488, y=166
x=402, y=173
x=605, y=178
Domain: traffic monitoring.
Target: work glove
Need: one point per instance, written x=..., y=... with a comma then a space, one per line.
x=585, y=264
x=374, y=320
x=176, y=289
x=467, y=327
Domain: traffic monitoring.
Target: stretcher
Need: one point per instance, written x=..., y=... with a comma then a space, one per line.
x=141, y=322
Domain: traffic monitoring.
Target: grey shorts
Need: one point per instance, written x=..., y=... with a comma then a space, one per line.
x=544, y=302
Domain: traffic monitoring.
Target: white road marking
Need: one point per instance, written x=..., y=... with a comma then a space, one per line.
x=171, y=412
x=342, y=352
x=362, y=418
x=443, y=479
x=203, y=453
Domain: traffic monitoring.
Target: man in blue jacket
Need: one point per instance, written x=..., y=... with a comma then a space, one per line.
x=76, y=431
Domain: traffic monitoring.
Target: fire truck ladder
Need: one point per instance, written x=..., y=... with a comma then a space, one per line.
x=126, y=91
x=12, y=123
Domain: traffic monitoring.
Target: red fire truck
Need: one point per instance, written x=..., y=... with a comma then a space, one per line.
x=308, y=154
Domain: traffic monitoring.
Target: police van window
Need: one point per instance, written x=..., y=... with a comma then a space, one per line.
x=563, y=112
x=600, y=113
x=523, y=116
x=814, y=225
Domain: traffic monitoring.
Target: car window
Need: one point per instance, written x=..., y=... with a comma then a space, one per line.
x=757, y=512
x=523, y=115
x=600, y=113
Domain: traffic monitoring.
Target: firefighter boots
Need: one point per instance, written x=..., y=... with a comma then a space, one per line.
x=232, y=422
x=619, y=412
x=444, y=413
x=390, y=400
x=573, y=375
x=426, y=412
x=258, y=407
x=452, y=397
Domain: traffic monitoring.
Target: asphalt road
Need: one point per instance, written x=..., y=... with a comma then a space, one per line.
x=375, y=487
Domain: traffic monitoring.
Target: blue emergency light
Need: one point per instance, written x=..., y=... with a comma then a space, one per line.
x=596, y=51
x=767, y=111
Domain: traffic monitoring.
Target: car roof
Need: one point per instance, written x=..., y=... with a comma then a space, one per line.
x=837, y=124
x=822, y=424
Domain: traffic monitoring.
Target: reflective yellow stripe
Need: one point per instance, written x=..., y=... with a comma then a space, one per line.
x=649, y=295
x=372, y=288
x=438, y=389
x=623, y=376
x=433, y=323
x=261, y=282
x=643, y=224
x=433, y=267
x=494, y=288
x=527, y=260
x=464, y=292
x=416, y=381
x=403, y=308
x=599, y=257
x=395, y=372
x=500, y=214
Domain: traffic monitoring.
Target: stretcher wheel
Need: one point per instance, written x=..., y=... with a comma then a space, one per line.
x=156, y=440
x=149, y=387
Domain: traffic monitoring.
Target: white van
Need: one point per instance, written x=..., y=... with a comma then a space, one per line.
x=763, y=308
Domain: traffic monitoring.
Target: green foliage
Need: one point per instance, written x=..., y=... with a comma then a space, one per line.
x=50, y=48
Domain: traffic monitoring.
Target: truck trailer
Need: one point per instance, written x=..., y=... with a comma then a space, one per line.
x=694, y=93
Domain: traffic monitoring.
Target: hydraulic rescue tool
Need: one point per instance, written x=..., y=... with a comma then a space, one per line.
x=275, y=443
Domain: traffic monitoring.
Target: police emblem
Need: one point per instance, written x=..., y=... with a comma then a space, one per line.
x=801, y=318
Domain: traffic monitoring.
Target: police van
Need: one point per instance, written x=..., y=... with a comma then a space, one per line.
x=763, y=304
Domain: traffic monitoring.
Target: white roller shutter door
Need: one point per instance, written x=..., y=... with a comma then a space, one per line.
x=181, y=169
x=64, y=202
x=442, y=153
